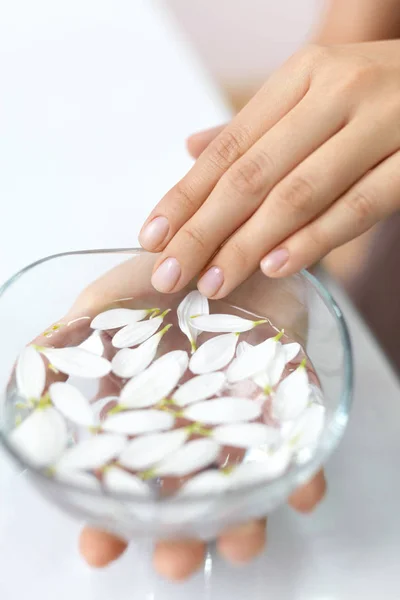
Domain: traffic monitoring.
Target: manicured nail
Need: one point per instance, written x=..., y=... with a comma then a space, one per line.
x=154, y=233
x=274, y=261
x=167, y=275
x=211, y=282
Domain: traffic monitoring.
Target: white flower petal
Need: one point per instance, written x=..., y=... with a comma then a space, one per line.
x=92, y=453
x=214, y=354
x=291, y=396
x=78, y=478
x=209, y=482
x=71, y=403
x=152, y=385
x=118, y=317
x=255, y=360
x=242, y=347
x=100, y=404
x=223, y=410
x=30, y=374
x=223, y=323
x=291, y=351
x=128, y=362
x=78, y=362
x=308, y=427
x=136, y=422
x=272, y=466
x=270, y=376
x=93, y=344
x=137, y=333
x=147, y=450
x=199, y=388
x=41, y=438
x=190, y=458
x=180, y=357
x=118, y=480
x=246, y=435
x=193, y=304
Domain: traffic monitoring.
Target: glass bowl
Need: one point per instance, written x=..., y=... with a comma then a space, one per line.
x=74, y=286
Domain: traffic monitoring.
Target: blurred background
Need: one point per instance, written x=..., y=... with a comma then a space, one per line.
x=241, y=42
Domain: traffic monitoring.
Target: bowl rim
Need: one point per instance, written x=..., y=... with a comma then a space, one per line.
x=297, y=474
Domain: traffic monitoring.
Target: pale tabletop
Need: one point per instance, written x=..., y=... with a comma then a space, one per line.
x=96, y=100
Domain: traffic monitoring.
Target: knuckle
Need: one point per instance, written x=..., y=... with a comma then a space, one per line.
x=195, y=236
x=239, y=255
x=361, y=204
x=296, y=194
x=185, y=199
x=314, y=55
x=247, y=176
x=227, y=148
x=316, y=238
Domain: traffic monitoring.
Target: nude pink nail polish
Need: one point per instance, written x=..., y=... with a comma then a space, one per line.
x=274, y=261
x=167, y=275
x=211, y=281
x=154, y=233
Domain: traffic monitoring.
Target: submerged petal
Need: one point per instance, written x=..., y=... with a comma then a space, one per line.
x=93, y=344
x=118, y=317
x=128, y=362
x=255, y=360
x=78, y=362
x=307, y=428
x=41, y=438
x=291, y=396
x=272, y=466
x=137, y=333
x=209, y=482
x=118, y=480
x=92, y=453
x=223, y=410
x=242, y=347
x=214, y=354
x=199, y=388
x=30, y=374
x=190, y=458
x=291, y=351
x=147, y=450
x=246, y=435
x=180, y=357
x=152, y=385
x=193, y=304
x=223, y=323
x=70, y=402
x=136, y=422
x=78, y=479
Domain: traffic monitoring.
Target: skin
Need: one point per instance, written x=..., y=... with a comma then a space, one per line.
x=310, y=163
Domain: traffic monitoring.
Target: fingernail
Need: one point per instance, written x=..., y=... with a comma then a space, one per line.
x=274, y=261
x=211, y=281
x=167, y=275
x=154, y=233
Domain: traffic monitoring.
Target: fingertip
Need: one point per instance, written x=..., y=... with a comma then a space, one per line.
x=178, y=560
x=306, y=497
x=99, y=548
x=239, y=545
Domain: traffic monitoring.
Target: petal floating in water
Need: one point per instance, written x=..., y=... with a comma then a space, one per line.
x=242, y=347
x=255, y=360
x=209, y=482
x=190, y=458
x=246, y=435
x=78, y=479
x=147, y=450
x=93, y=344
x=291, y=396
x=199, y=388
x=118, y=480
x=30, y=374
x=92, y=453
x=193, y=304
x=137, y=333
x=128, y=362
x=78, y=362
x=223, y=410
x=214, y=354
x=180, y=357
x=41, y=438
x=118, y=317
x=136, y=422
x=291, y=351
x=274, y=465
x=307, y=428
x=71, y=403
x=223, y=323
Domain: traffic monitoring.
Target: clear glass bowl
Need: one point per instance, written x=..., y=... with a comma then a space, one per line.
x=78, y=284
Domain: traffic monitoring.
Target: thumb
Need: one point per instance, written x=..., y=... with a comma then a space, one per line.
x=198, y=142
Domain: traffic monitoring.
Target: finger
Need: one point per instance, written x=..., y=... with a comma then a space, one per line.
x=242, y=543
x=99, y=548
x=375, y=197
x=268, y=106
x=198, y=142
x=241, y=191
x=308, y=190
x=306, y=497
x=177, y=560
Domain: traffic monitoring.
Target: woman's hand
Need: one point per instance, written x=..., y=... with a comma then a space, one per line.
x=310, y=163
